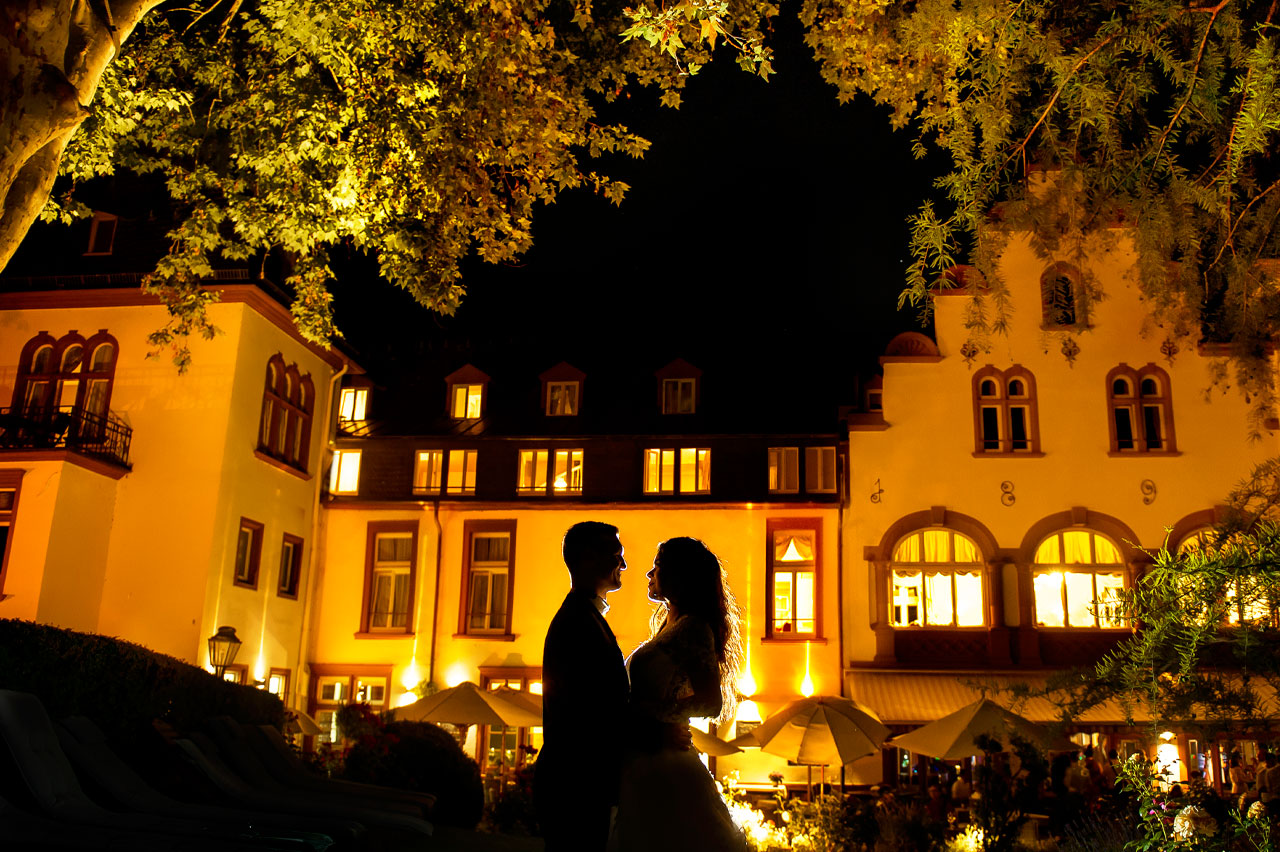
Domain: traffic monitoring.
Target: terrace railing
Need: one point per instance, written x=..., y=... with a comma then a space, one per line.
x=104, y=437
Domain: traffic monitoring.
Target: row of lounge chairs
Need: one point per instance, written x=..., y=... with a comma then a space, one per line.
x=263, y=798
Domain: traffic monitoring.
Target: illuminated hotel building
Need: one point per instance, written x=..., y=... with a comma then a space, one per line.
x=968, y=518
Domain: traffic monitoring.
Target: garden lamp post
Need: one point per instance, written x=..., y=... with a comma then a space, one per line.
x=223, y=647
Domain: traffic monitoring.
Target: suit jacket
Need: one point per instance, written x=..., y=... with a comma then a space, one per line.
x=584, y=702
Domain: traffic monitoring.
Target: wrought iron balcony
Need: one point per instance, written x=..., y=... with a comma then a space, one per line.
x=66, y=428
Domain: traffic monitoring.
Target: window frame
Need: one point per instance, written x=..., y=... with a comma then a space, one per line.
x=254, y=566
x=677, y=382
x=340, y=457
x=1093, y=568
x=815, y=473
x=290, y=590
x=476, y=389
x=436, y=482
x=951, y=567
x=677, y=484
x=527, y=675
x=373, y=530
x=779, y=467
x=284, y=425
x=1049, y=320
x=470, y=528
x=1003, y=404
x=548, y=457
x=359, y=406
x=563, y=384
x=286, y=679
x=349, y=674
x=470, y=464
x=99, y=220
x=1136, y=404
x=10, y=479
x=773, y=526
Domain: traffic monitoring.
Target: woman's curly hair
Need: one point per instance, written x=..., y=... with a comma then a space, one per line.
x=695, y=583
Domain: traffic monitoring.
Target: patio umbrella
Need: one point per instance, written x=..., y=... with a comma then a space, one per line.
x=297, y=722
x=824, y=730
x=952, y=736
x=521, y=698
x=712, y=745
x=468, y=704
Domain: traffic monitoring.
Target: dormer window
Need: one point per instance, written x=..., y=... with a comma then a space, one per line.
x=678, y=389
x=466, y=393
x=102, y=234
x=352, y=404
x=562, y=390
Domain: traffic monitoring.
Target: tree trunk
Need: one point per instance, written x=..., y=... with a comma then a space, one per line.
x=52, y=55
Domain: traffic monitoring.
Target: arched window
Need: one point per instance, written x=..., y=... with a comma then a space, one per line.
x=70, y=373
x=284, y=430
x=1077, y=578
x=1140, y=408
x=1005, y=416
x=1249, y=600
x=936, y=581
x=1060, y=296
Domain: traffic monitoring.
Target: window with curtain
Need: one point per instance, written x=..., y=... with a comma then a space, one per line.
x=391, y=581
x=1077, y=578
x=936, y=581
x=794, y=583
x=487, y=601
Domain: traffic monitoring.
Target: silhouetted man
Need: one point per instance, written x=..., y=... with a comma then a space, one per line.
x=584, y=698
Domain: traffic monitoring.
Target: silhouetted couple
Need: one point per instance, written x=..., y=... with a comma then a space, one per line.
x=617, y=734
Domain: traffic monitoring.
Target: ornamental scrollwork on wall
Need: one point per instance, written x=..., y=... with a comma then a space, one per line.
x=1007, y=497
x=1148, y=489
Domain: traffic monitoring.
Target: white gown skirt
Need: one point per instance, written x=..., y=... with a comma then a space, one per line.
x=668, y=802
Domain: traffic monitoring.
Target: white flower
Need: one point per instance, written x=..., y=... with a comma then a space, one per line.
x=1194, y=820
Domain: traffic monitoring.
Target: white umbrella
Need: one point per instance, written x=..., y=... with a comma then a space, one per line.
x=468, y=704
x=297, y=722
x=952, y=737
x=711, y=745
x=824, y=730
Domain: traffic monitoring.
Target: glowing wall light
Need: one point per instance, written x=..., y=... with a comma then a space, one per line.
x=746, y=684
x=806, y=685
x=456, y=674
x=412, y=675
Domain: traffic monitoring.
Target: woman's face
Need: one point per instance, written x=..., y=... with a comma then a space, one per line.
x=655, y=583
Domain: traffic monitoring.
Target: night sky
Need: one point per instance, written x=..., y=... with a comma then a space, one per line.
x=765, y=229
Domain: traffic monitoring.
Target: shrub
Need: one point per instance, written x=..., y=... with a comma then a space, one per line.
x=120, y=685
x=421, y=756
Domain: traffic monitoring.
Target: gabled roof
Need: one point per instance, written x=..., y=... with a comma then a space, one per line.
x=468, y=374
x=679, y=369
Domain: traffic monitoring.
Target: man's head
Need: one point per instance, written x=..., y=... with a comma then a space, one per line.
x=593, y=554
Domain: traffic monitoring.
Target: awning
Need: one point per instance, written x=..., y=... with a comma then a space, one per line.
x=916, y=698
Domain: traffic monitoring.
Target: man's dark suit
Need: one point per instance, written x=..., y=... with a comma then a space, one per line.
x=584, y=699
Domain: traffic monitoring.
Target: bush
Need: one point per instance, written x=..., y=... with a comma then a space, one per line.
x=120, y=685
x=421, y=756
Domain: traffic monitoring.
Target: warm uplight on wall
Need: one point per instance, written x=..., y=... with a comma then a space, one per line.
x=412, y=675
x=748, y=711
x=746, y=684
x=260, y=671
x=406, y=699
x=1167, y=736
x=536, y=687
x=806, y=685
x=456, y=674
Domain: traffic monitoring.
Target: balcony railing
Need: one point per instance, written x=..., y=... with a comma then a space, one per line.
x=66, y=428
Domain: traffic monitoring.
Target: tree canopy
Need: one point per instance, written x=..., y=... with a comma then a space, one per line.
x=421, y=131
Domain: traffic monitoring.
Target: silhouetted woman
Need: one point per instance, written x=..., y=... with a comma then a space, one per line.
x=689, y=667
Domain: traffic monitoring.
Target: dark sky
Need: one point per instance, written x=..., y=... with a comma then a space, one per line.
x=764, y=228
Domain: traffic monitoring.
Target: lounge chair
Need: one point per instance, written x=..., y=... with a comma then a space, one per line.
x=54, y=789
x=278, y=758
x=201, y=751
x=83, y=742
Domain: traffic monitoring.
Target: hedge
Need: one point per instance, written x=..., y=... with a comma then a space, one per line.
x=120, y=685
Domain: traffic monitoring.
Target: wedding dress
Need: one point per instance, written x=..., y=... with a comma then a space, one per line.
x=668, y=801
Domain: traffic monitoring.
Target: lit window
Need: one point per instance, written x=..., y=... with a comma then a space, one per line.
x=659, y=471
x=562, y=399
x=371, y=690
x=235, y=673
x=1005, y=411
x=10, y=482
x=502, y=749
x=335, y=689
x=794, y=583
x=390, y=582
x=467, y=401
x=820, y=469
x=1141, y=410
x=1248, y=599
x=278, y=684
x=566, y=472
x=462, y=472
x=248, y=554
x=352, y=404
x=687, y=470
x=290, y=566
x=937, y=581
x=695, y=471
x=533, y=472
x=488, y=577
x=784, y=470
x=428, y=468
x=679, y=396
x=1077, y=581
x=344, y=475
